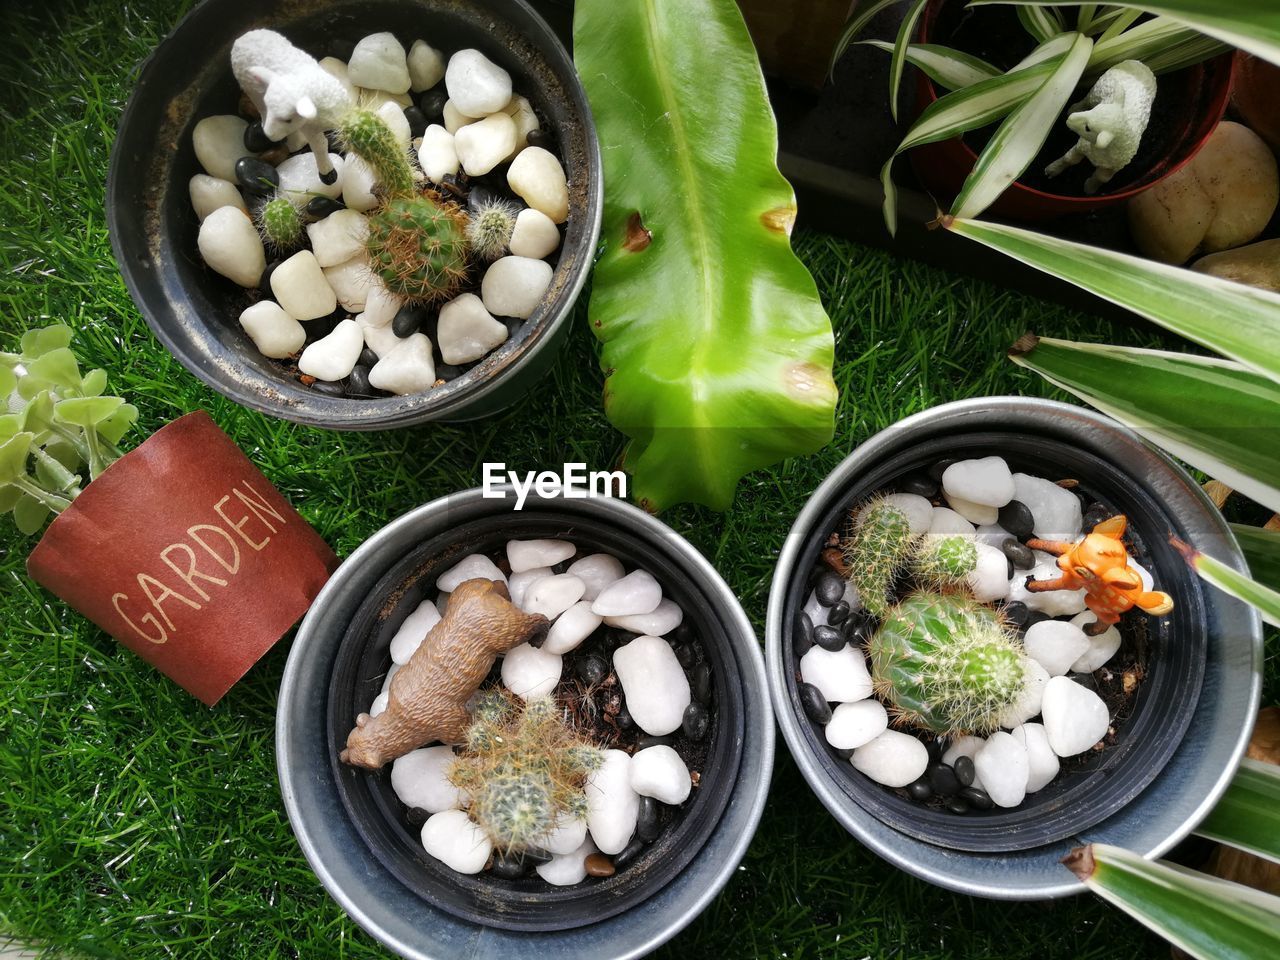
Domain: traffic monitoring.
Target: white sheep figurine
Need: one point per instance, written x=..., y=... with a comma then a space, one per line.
x=292, y=92
x=1110, y=122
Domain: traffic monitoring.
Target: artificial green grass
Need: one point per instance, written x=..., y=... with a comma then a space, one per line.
x=136, y=823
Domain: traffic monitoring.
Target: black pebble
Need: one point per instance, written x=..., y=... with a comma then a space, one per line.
x=648, y=819
x=256, y=176
x=935, y=749
x=828, y=638
x=648, y=740
x=592, y=670
x=957, y=805
x=943, y=779
x=328, y=389
x=1033, y=617
x=682, y=632
x=815, y=704
x=320, y=207
x=857, y=628
x=696, y=722
x=920, y=791
x=1095, y=514
x=938, y=469
x=358, y=382
x=686, y=656
x=542, y=138
x=632, y=850
x=700, y=681
x=1016, y=612
x=256, y=139
x=802, y=638
x=1019, y=554
x=1015, y=516
x=1008, y=569
x=623, y=718
x=416, y=816
x=407, y=321
x=829, y=588
x=920, y=484
x=964, y=770
x=431, y=104
x=508, y=868
x=264, y=282
x=535, y=857
x=417, y=121
x=447, y=372
x=976, y=798
x=367, y=357
x=838, y=614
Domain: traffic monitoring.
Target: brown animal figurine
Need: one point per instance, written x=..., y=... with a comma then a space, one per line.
x=427, y=700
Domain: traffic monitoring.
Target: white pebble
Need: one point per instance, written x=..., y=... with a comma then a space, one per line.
x=521, y=111
x=409, y=368
x=379, y=703
x=989, y=580
x=918, y=511
x=474, y=566
x=380, y=338
x=230, y=245
x=380, y=307
x=300, y=179
x=421, y=779
x=1055, y=511
x=477, y=86
x=597, y=571
x=519, y=583
x=302, y=289
x=1055, y=645
x=454, y=840
x=1042, y=762
x=212, y=193
x=659, y=772
x=946, y=522
x=538, y=179
x=454, y=119
x=894, y=759
x=841, y=675
x=514, y=286
x=528, y=554
x=351, y=282
x=413, y=631
x=986, y=481
x=333, y=357
x=552, y=596
x=654, y=684
x=438, y=153
x=992, y=534
x=358, y=181
x=338, y=237
x=565, y=870
x=379, y=63
x=1028, y=703
x=219, y=143
x=535, y=235
x=975, y=513
x=1053, y=603
x=426, y=66
x=530, y=673
x=1002, y=765
x=657, y=623
x=637, y=592
x=567, y=837
x=854, y=724
x=571, y=627
x=483, y=145
x=392, y=115
x=1101, y=648
x=612, y=806
x=1074, y=718
x=272, y=330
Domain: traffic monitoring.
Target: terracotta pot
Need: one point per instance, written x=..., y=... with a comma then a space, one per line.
x=184, y=552
x=942, y=167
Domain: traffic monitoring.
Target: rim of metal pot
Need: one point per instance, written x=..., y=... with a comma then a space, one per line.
x=357, y=880
x=1189, y=786
x=391, y=412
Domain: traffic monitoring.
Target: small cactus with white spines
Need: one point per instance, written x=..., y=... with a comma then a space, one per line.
x=280, y=224
x=944, y=561
x=367, y=135
x=881, y=546
x=490, y=227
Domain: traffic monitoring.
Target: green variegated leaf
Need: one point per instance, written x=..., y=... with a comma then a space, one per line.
x=975, y=106
x=1154, y=41
x=1041, y=22
x=1248, y=815
x=899, y=59
x=950, y=69
x=1262, y=552
x=1262, y=598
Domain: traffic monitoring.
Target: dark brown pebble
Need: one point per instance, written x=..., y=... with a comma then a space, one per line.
x=598, y=865
x=802, y=638
x=976, y=798
x=628, y=854
x=1019, y=554
x=920, y=484
x=696, y=722
x=1015, y=516
x=815, y=704
x=920, y=791
x=965, y=770
x=648, y=819
x=828, y=638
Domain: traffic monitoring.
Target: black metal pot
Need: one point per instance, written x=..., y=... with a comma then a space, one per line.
x=194, y=312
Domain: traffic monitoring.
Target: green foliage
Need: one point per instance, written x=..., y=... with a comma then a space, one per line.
x=418, y=247
x=524, y=768
x=1248, y=815
x=490, y=227
x=280, y=224
x=944, y=561
x=946, y=664
x=717, y=349
x=877, y=552
x=367, y=135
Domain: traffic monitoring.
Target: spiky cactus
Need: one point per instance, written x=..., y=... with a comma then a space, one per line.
x=367, y=135
x=418, y=247
x=490, y=228
x=881, y=545
x=946, y=664
x=524, y=769
x=280, y=225
x=944, y=561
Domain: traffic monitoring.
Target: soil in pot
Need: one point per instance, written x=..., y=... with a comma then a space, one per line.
x=637, y=691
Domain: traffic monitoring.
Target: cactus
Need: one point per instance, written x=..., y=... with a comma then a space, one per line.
x=280, y=225
x=524, y=769
x=946, y=664
x=880, y=548
x=367, y=135
x=418, y=247
x=944, y=561
x=490, y=228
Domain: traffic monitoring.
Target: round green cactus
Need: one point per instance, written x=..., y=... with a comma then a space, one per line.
x=367, y=135
x=880, y=548
x=280, y=225
x=490, y=228
x=944, y=561
x=946, y=664
x=418, y=248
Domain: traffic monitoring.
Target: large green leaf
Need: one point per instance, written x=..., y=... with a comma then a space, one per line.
x=716, y=348
x=1248, y=815
x=1208, y=918
x=1259, y=596
x=1212, y=413
x=1262, y=551
x=1252, y=25
x=1234, y=319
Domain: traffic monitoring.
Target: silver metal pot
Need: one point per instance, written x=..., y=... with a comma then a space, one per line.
x=1160, y=808
x=359, y=879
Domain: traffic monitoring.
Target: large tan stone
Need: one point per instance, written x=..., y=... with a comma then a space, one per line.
x=1257, y=264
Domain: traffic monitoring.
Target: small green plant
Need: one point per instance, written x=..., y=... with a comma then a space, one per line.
x=946, y=664
x=365, y=134
x=524, y=768
x=280, y=225
x=490, y=228
x=878, y=551
x=59, y=427
x=943, y=561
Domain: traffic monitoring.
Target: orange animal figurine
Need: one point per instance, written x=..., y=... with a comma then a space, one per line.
x=1099, y=564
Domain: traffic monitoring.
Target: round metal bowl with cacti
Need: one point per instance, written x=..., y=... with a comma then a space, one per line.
x=392, y=214
x=973, y=631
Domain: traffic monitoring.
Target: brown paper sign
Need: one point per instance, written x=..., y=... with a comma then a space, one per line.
x=184, y=552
